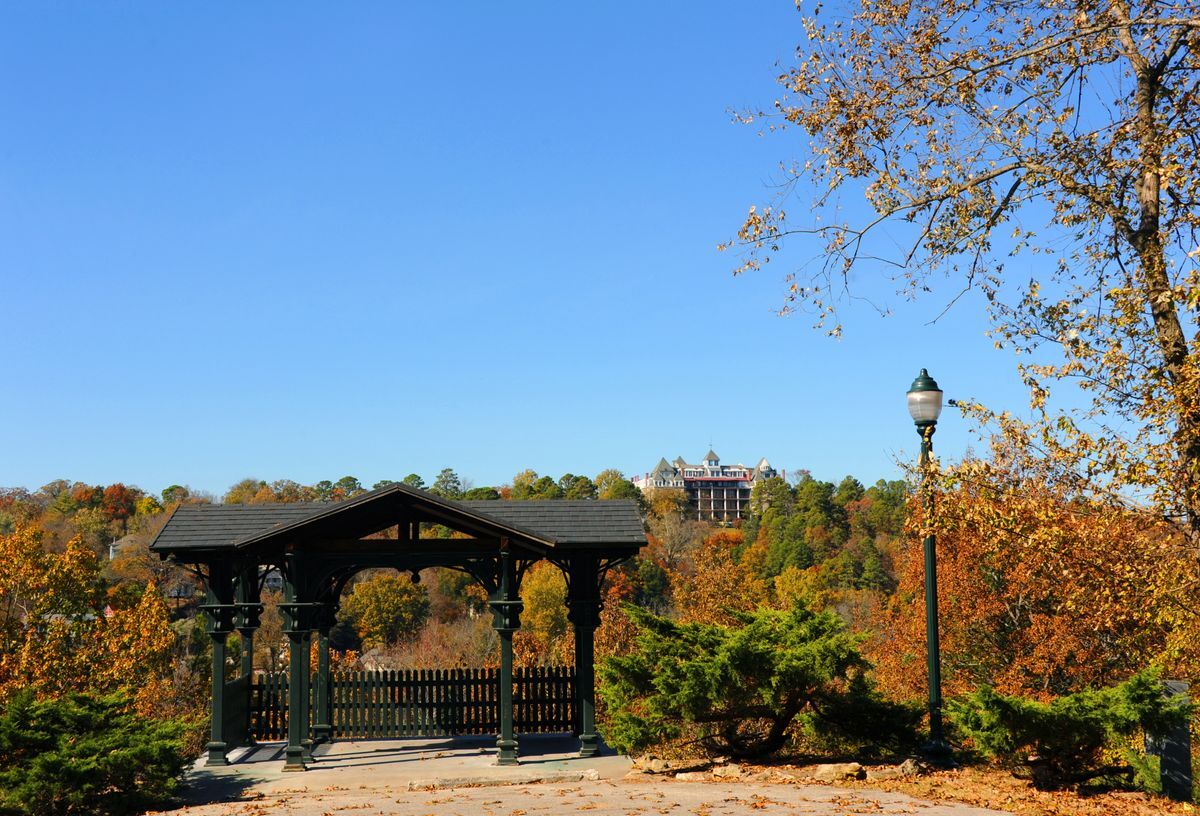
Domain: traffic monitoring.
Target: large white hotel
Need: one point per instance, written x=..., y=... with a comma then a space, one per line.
x=716, y=492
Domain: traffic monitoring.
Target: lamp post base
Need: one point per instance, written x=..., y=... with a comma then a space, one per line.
x=938, y=753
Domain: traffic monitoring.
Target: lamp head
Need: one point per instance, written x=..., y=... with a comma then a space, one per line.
x=924, y=400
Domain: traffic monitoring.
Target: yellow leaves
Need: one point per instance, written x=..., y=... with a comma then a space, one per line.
x=544, y=619
x=54, y=636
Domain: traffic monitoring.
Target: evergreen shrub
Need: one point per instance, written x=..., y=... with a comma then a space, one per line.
x=85, y=755
x=775, y=680
x=1074, y=738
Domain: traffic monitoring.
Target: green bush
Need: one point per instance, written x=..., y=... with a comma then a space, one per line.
x=1069, y=740
x=747, y=690
x=84, y=755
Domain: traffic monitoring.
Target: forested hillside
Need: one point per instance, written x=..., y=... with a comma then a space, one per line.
x=811, y=537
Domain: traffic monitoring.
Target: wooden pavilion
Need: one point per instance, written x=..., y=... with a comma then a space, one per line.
x=318, y=548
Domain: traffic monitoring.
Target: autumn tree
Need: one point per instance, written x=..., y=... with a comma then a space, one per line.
x=136, y=565
x=136, y=654
x=1043, y=589
x=270, y=640
x=346, y=487
x=966, y=124
x=386, y=608
x=528, y=485
x=612, y=484
x=664, y=501
x=672, y=541
x=18, y=506
x=616, y=632
x=55, y=637
x=49, y=604
x=244, y=492
x=118, y=502
x=175, y=494
x=544, y=620
x=454, y=594
x=720, y=587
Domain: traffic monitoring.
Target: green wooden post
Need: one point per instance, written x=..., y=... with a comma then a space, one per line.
x=246, y=633
x=584, y=606
x=296, y=630
x=248, y=615
x=217, y=746
x=323, y=727
x=305, y=712
x=294, y=753
x=220, y=619
x=506, y=618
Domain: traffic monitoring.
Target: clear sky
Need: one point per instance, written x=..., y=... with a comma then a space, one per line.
x=306, y=240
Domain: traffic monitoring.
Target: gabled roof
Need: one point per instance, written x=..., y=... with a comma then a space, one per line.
x=540, y=525
x=710, y=456
x=663, y=466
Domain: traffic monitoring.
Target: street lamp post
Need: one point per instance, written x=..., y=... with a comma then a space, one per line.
x=924, y=406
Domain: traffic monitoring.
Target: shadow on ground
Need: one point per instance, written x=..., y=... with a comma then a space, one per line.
x=372, y=764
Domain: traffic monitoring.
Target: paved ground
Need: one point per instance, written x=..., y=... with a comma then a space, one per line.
x=451, y=777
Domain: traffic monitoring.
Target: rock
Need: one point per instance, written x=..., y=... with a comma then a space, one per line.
x=884, y=772
x=837, y=771
x=910, y=767
x=730, y=771
x=649, y=763
x=655, y=765
x=692, y=776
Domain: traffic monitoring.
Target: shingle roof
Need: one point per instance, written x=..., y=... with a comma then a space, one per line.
x=571, y=522
x=552, y=523
x=223, y=525
x=712, y=456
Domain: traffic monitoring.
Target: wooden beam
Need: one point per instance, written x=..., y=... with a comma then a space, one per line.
x=408, y=545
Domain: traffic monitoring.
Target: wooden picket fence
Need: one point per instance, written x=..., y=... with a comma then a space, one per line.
x=424, y=703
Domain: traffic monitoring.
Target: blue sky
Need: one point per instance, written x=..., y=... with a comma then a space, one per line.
x=301, y=240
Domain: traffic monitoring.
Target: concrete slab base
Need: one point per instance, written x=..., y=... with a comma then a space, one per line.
x=410, y=764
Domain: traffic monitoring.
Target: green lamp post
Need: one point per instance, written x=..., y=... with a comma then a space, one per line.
x=925, y=406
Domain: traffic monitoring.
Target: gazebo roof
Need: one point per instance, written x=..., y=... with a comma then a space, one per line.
x=543, y=525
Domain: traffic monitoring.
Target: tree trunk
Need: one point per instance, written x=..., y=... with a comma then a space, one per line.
x=1147, y=241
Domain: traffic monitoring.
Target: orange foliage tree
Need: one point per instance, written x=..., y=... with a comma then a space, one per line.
x=721, y=585
x=1043, y=589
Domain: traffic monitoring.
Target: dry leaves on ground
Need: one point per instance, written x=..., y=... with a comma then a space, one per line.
x=1002, y=791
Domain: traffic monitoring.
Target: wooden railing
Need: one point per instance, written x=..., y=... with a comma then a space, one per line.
x=424, y=703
